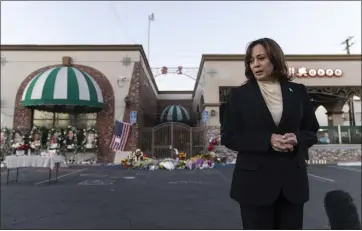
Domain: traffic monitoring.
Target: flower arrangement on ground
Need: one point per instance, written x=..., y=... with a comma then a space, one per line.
x=182, y=156
x=213, y=142
x=137, y=155
x=202, y=161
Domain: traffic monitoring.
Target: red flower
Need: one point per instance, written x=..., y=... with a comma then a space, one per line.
x=211, y=147
x=23, y=147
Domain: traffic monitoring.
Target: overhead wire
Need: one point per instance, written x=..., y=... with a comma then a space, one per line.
x=120, y=22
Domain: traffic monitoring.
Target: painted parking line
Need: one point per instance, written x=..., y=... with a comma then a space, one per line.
x=321, y=178
x=61, y=176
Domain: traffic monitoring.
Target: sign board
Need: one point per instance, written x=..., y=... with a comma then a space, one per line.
x=133, y=117
x=303, y=72
x=205, y=116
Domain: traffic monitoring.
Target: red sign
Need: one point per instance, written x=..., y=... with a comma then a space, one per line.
x=164, y=70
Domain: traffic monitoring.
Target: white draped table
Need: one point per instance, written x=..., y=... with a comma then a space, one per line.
x=16, y=162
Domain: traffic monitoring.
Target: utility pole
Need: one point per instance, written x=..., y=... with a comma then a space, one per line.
x=348, y=44
x=352, y=119
x=151, y=18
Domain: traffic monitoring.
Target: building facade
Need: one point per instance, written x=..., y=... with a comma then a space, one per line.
x=126, y=83
x=122, y=73
x=331, y=81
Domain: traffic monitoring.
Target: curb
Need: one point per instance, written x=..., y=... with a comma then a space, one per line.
x=349, y=163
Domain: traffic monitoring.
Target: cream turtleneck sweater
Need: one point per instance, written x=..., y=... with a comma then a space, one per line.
x=272, y=95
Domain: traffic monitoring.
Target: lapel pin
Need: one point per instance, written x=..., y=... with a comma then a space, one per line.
x=291, y=90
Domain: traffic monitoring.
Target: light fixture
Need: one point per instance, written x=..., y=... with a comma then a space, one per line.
x=211, y=72
x=3, y=61
x=213, y=112
x=121, y=80
x=127, y=100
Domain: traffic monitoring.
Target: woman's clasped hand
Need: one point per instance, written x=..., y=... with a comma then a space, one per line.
x=283, y=143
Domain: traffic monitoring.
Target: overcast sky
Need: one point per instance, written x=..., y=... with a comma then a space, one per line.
x=183, y=31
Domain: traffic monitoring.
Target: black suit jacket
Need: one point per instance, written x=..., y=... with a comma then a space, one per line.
x=261, y=173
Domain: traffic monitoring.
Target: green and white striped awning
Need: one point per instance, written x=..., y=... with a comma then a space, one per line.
x=174, y=113
x=63, y=89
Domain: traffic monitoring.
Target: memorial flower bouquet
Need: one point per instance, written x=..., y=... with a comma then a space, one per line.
x=22, y=146
x=126, y=163
x=181, y=164
x=199, y=162
x=213, y=142
x=168, y=163
x=182, y=155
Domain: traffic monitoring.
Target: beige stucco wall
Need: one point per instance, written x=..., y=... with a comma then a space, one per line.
x=22, y=63
x=199, y=91
x=231, y=73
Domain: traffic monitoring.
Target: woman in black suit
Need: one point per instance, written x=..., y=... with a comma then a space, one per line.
x=270, y=122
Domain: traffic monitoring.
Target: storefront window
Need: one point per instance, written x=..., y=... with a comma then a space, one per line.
x=62, y=120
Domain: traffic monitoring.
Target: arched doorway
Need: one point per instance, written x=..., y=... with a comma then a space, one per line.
x=23, y=117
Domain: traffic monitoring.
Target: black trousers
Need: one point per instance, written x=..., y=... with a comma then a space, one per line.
x=280, y=215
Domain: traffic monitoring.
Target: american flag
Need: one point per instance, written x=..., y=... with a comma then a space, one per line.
x=121, y=131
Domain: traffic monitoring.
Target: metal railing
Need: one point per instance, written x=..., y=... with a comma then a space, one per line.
x=340, y=134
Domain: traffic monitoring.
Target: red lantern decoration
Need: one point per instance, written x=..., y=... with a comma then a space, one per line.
x=164, y=70
x=179, y=70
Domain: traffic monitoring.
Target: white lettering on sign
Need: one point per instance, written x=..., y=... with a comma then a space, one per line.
x=304, y=72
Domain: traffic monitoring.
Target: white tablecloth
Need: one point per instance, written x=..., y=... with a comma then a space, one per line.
x=33, y=161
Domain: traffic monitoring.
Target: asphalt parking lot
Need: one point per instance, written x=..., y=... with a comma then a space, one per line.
x=91, y=197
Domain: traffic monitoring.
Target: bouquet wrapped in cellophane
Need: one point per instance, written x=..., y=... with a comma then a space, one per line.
x=202, y=161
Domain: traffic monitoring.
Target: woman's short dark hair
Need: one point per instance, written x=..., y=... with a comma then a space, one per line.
x=275, y=54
